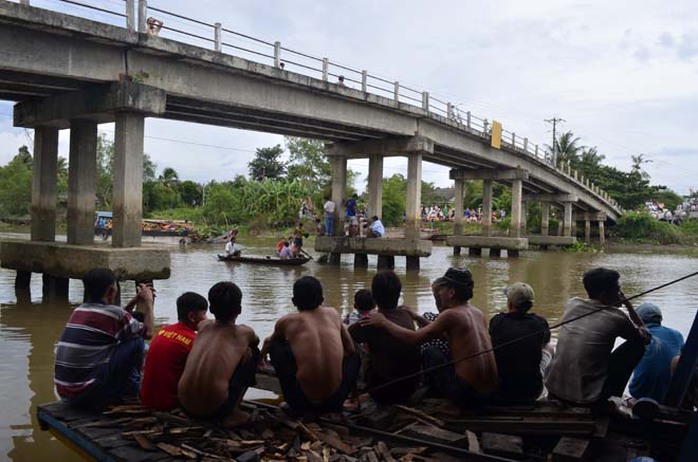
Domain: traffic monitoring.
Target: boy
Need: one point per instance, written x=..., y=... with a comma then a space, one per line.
x=164, y=363
x=222, y=363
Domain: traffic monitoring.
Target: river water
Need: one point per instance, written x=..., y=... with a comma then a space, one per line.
x=29, y=329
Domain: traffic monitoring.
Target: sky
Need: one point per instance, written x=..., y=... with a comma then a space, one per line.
x=623, y=74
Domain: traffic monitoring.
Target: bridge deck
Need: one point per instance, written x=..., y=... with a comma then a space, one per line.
x=381, y=246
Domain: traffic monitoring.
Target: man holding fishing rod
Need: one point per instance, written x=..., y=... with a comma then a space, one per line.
x=586, y=370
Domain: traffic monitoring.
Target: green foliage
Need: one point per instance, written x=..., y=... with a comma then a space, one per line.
x=15, y=185
x=308, y=163
x=641, y=226
x=394, y=197
x=578, y=246
x=266, y=164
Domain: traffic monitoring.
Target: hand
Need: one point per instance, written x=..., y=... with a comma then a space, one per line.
x=145, y=293
x=623, y=300
x=374, y=319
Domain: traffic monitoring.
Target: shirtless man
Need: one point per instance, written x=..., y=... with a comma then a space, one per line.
x=312, y=353
x=222, y=363
x=467, y=383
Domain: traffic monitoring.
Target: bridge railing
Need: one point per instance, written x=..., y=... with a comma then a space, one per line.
x=142, y=16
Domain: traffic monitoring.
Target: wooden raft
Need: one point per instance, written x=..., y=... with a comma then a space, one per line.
x=419, y=432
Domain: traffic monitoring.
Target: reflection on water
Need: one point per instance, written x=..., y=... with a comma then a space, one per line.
x=29, y=329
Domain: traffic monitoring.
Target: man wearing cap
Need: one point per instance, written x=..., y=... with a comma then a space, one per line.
x=522, y=347
x=468, y=383
x=652, y=375
x=584, y=369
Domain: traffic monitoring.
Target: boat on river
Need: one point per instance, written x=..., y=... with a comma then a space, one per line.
x=266, y=260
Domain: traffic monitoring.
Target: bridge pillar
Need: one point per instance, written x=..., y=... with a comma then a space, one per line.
x=524, y=218
x=487, y=208
x=567, y=221
x=128, y=179
x=339, y=191
x=602, y=236
x=458, y=191
x=44, y=179
x=414, y=194
x=545, y=218
x=587, y=232
x=375, y=186
x=516, y=194
x=82, y=181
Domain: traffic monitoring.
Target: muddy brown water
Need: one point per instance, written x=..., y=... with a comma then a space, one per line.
x=29, y=329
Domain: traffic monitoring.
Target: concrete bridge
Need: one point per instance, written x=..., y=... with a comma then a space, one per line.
x=66, y=72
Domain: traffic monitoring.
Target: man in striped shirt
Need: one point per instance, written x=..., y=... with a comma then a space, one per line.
x=100, y=352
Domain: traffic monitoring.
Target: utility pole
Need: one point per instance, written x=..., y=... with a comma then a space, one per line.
x=554, y=121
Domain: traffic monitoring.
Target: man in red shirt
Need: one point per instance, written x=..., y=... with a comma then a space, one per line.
x=168, y=353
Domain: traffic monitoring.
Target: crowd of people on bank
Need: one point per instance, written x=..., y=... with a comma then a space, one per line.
x=382, y=350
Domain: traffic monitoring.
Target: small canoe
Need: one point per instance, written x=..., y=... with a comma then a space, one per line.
x=265, y=260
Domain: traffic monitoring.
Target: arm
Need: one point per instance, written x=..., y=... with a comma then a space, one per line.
x=145, y=302
x=278, y=334
x=639, y=324
x=432, y=330
x=347, y=342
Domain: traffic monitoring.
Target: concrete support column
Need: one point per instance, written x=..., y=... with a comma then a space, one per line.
x=44, y=179
x=587, y=232
x=524, y=218
x=385, y=262
x=128, y=179
x=567, y=220
x=360, y=260
x=412, y=263
x=339, y=191
x=516, y=191
x=375, y=186
x=414, y=195
x=458, y=190
x=487, y=208
x=82, y=181
x=602, y=235
x=545, y=218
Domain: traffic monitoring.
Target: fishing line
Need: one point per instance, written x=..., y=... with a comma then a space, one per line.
x=513, y=341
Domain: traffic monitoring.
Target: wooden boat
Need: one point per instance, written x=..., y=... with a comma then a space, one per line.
x=268, y=260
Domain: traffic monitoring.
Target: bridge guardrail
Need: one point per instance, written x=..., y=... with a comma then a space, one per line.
x=137, y=16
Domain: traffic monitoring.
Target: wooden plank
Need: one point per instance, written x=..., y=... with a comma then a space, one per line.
x=502, y=445
x=434, y=434
x=570, y=449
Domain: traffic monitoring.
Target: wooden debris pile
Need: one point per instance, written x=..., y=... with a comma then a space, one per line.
x=271, y=436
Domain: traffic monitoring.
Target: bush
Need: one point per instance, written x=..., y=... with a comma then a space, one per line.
x=641, y=226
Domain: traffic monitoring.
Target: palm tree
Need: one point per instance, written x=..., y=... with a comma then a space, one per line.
x=169, y=177
x=566, y=148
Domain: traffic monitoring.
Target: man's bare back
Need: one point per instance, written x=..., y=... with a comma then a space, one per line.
x=316, y=339
x=467, y=334
x=216, y=354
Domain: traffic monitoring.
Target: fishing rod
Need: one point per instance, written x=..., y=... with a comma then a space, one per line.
x=525, y=337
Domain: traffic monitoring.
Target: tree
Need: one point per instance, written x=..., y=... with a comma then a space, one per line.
x=266, y=164
x=308, y=162
x=15, y=184
x=567, y=148
x=169, y=178
x=191, y=193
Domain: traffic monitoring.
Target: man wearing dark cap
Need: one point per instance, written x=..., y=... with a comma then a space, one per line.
x=467, y=383
x=652, y=375
x=522, y=347
x=584, y=369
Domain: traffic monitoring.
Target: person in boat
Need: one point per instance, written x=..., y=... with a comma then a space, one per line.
x=376, y=229
x=312, y=353
x=100, y=352
x=389, y=359
x=652, y=375
x=522, y=347
x=466, y=383
x=222, y=363
x=286, y=252
x=298, y=235
x=168, y=352
x=231, y=248
x=586, y=370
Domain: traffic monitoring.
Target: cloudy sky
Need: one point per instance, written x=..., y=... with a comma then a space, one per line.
x=623, y=74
